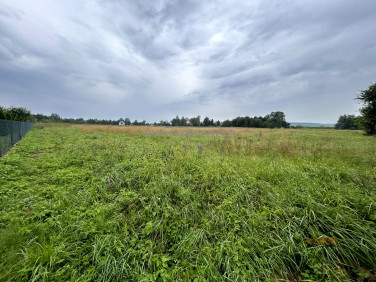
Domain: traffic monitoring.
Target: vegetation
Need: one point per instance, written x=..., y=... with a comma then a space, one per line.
x=2, y=113
x=16, y=113
x=346, y=122
x=368, y=118
x=273, y=120
x=110, y=203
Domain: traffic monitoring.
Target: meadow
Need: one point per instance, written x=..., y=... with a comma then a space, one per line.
x=110, y=203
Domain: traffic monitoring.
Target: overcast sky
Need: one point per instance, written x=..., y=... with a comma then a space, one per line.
x=154, y=59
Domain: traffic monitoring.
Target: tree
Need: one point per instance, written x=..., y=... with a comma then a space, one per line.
x=206, y=122
x=79, y=120
x=346, y=122
x=20, y=114
x=175, y=121
x=164, y=123
x=368, y=119
x=92, y=121
x=2, y=113
x=272, y=120
x=16, y=113
x=40, y=117
x=183, y=121
x=226, y=123
x=55, y=118
x=276, y=119
x=195, y=121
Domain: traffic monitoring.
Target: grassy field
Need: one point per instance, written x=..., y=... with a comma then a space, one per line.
x=105, y=203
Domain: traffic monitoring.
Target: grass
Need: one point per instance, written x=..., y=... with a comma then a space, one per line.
x=109, y=203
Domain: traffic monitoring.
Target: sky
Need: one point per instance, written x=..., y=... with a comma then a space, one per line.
x=153, y=60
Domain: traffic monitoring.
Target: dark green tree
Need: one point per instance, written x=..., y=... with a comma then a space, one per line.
x=55, y=118
x=164, y=123
x=20, y=114
x=346, y=122
x=276, y=120
x=79, y=120
x=40, y=117
x=183, y=121
x=92, y=121
x=195, y=121
x=206, y=121
x=368, y=118
x=2, y=113
x=175, y=121
x=226, y=123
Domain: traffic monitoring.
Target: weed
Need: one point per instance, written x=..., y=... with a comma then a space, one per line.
x=116, y=203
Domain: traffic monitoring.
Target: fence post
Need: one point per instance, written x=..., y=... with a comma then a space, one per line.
x=19, y=129
x=10, y=126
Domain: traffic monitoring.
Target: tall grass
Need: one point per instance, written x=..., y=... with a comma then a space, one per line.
x=145, y=203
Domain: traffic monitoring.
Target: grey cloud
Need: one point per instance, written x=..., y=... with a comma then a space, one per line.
x=152, y=60
x=10, y=13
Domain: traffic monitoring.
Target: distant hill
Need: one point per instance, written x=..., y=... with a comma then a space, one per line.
x=310, y=124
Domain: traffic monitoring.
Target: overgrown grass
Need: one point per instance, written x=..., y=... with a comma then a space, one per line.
x=112, y=204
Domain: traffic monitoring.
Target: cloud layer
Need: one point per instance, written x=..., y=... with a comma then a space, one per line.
x=113, y=58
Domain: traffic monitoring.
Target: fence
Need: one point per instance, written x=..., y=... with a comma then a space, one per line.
x=11, y=132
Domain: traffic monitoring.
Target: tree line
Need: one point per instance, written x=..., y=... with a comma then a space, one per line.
x=16, y=113
x=272, y=120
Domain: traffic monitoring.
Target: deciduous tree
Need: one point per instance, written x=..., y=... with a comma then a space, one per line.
x=368, y=99
x=346, y=122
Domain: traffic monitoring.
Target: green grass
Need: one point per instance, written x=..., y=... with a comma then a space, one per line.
x=87, y=203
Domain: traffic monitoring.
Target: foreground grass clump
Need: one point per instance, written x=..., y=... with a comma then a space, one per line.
x=113, y=204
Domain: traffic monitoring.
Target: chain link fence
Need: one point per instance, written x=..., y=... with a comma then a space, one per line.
x=11, y=132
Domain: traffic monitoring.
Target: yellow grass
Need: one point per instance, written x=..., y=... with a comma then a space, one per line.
x=182, y=130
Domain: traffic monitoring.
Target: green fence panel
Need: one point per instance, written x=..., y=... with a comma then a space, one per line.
x=11, y=132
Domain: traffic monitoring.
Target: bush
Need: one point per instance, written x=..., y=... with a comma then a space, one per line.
x=346, y=122
x=16, y=113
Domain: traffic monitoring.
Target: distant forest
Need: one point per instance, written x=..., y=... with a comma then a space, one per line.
x=272, y=120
